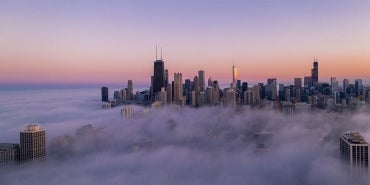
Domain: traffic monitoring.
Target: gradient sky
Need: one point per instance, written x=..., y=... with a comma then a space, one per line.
x=105, y=42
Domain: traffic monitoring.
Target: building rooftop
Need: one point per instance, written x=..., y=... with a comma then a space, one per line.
x=8, y=146
x=354, y=138
x=31, y=128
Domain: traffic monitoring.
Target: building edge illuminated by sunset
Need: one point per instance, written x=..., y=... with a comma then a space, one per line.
x=32, y=143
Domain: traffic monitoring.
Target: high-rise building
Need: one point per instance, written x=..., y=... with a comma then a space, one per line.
x=345, y=85
x=210, y=82
x=32, y=143
x=130, y=91
x=177, y=87
x=230, y=99
x=202, y=82
x=166, y=77
x=297, y=82
x=315, y=72
x=235, y=76
x=215, y=93
x=307, y=81
x=158, y=76
x=271, y=89
x=196, y=91
x=256, y=91
x=9, y=153
x=358, y=87
x=208, y=96
x=169, y=93
x=104, y=94
x=163, y=97
x=355, y=150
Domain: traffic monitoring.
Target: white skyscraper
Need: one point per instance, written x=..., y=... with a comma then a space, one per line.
x=235, y=76
x=355, y=150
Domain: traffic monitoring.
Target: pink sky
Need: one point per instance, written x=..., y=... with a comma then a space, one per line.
x=112, y=42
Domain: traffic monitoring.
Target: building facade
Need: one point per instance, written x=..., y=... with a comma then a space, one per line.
x=32, y=143
x=9, y=153
x=104, y=94
x=354, y=150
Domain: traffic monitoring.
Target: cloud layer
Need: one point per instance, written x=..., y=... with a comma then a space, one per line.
x=175, y=146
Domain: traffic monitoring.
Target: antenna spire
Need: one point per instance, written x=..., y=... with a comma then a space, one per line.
x=161, y=54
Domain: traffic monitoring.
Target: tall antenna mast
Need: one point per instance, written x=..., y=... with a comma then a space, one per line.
x=161, y=54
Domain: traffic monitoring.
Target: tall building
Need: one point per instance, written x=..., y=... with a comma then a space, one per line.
x=169, y=93
x=158, y=76
x=307, y=81
x=271, y=89
x=358, y=87
x=315, y=72
x=235, y=76
x=32, y=143
x=230, y=98
x=166, y=78
x=163, y=97
x=196, y=91
x=297, y=82
x=355, y=150
x=215, y=93
x=104, y=94
x=202, y=82
x=130, y=91
x=345, y=85
x=9, y=153
x=177, y=87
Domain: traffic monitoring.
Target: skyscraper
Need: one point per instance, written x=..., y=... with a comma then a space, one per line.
x=202, y=82
x=358, y=87
x=315, y=72
x=345, y=86
x=178, y=92
x=235, y=76
x=104, y=94
x=230, y=98
x=130, y=91
x=196, y=91
x=271, y=89
x=297, y=82
x=32, y=143
x=158, y=76
x=355, y=150
x=9, y=153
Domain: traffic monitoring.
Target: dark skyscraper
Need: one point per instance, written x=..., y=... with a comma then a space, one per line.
x=104, y=94
x=315, y=72
x=159, y=75
x=202, y=82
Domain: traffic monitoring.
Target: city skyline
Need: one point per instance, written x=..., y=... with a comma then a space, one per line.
x=111, y=42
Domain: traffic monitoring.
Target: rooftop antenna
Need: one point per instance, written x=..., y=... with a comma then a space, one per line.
x=156, y=53
x=161, y=54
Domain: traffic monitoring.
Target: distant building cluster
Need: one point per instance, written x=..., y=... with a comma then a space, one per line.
x=305, y=95
x=31, y=147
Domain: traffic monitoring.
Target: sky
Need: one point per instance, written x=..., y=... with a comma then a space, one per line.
x=209, y=145
x=110, y=42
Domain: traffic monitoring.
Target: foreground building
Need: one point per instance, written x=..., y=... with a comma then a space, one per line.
x=32, y=143
x=9, y=153
x=355, y=150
